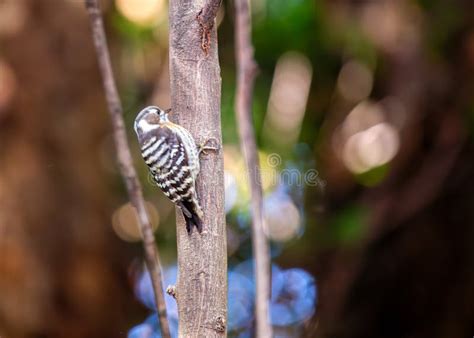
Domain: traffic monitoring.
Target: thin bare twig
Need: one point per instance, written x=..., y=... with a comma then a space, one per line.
x=125, y=160
x=246, y=72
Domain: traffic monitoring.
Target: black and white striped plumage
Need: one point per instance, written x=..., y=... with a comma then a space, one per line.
x=172, y=156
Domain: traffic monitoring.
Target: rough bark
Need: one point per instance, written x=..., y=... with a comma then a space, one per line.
x=125, y=161
x=246, y=72
x=201, y=290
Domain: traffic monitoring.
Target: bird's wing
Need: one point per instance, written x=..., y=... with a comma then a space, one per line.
x=168, y=161
x=167, y=157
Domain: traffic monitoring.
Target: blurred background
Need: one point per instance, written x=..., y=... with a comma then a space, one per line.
x=364, y=113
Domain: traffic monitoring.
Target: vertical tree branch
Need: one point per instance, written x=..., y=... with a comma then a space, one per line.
x=246, y=72
x=125, y=160
x=201, y=290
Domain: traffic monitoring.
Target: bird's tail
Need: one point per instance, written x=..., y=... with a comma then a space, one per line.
x=192, y=215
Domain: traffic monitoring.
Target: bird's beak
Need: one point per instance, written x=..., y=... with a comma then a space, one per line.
x=167, y=111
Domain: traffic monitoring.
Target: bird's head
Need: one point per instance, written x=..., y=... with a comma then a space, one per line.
x=150, y=118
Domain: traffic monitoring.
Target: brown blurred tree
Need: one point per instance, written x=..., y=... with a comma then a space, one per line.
x=61, y=272
x=412, y=274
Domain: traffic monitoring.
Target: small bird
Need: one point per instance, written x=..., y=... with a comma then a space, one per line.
x=172, y=157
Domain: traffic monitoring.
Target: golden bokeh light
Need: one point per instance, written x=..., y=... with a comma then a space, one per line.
x=364, y=115
x=371, y=148
x=125, y=221
x=7, y=85
x=288, y=98
x=282, y=220
x=13, y=16
x=355, y=81
x=141, y=12
x=368, y=137
x=237, y=173
x=231, y=190
x=391, y=25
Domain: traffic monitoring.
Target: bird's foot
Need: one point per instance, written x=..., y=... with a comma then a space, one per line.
x=203, y=147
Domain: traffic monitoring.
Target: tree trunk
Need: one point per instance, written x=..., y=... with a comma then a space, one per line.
x=195, y=100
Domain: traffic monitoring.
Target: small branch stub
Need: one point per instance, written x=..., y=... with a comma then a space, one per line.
x=220, y=324
x=171, y=290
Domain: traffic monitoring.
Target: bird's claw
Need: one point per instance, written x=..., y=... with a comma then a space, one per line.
x=203, y=148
